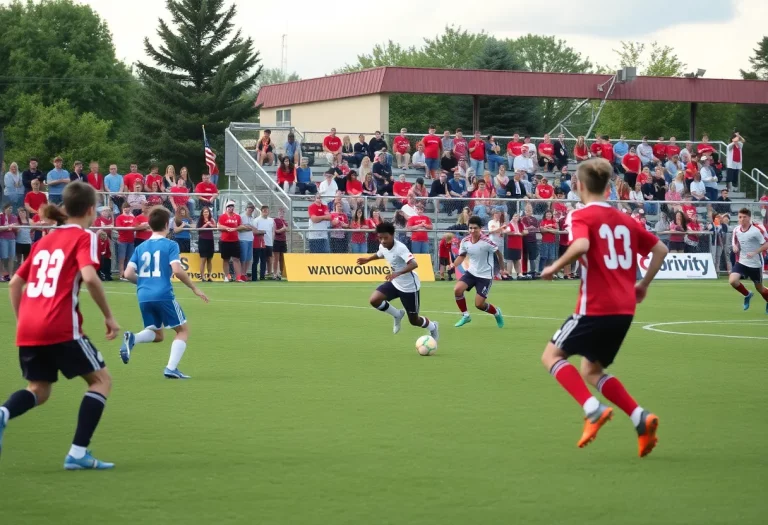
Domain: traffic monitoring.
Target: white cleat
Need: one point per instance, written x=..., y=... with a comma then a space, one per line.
x=436, y=332
x=398, y=320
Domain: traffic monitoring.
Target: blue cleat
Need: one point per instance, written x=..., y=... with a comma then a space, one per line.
x=747, y=299
x=87, y=462
x=3, y=424
x=499, y=318
x=464, y=320
x=129, y=341
x=174, y=374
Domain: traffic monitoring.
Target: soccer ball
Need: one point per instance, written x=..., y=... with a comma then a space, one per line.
x=426, y=345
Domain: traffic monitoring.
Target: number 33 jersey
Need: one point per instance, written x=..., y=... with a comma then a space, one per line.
x=152, y=261
x=49, y=311
x=609, y=268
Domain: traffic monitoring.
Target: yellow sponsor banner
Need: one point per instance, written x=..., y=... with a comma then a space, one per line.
x=335, y=267
x=191, y=264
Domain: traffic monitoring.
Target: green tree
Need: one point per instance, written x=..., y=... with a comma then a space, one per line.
x=754, y=119
x=45, y=131
x=547, y=54
x=59, y=50
x=201, y=75
x=498, y=115
x=656, y=119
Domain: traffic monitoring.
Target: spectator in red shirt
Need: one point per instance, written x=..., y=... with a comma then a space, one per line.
x=460, y=145
x=125, y=238
x=354, y=189
x=95, y=178
x=644, y=177
x=339, y=223
x=545, y=192
x=179, y=189
x=691, y=169
x=562, y=225
x=514, y=250
x=143, y=231
x=230, y=223
x=660, y=150
x=35, y=198
x=632, y=165
x=357, y=239
x=153, y=176
x=444, y=256
x=130, y=178
x=433, y=150
x=370, y=224
x=546, y=153
x=286, y=175
x=332, y=148
x=607, y=149
x=672, y=148
x=402, y=147
x=401, y=188
x=549, y=228
x=477, y=153
x=514, y=149
x=580, y=150
x=597, y=147
x=704, y=147
x=419, y=225
x=208, y=193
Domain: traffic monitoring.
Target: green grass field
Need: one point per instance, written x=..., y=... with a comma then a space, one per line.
x=305, y=409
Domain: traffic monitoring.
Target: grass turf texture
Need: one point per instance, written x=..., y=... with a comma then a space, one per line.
x=304, y=408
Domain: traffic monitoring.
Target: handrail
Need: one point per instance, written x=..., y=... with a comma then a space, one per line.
x=259, y=171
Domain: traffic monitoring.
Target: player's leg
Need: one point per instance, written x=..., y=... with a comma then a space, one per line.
x=462, y=285
x=238, y=269
x=203, y=260
x=151, y=315
x=566, y=342
x=483, y=288
x=225, y=267
x=380, y=299
x=22, y=401
x=762, y=290
x=173, y=317
x=412, y=303
x=734, y=279
x=91, y=408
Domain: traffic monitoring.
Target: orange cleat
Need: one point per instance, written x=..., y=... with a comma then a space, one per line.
x=646, y=434
x=593, y=423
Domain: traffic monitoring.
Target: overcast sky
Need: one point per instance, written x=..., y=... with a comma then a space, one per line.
x=716, y=35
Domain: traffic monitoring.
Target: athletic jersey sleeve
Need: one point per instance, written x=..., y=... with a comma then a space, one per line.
x=577, y=227
x=380, y=253
x=735, y=239
x=404, y=254
x=174, y=255
x=23, y=270
x=491, y=246
x=87, y=250
x=463, y=248
x=134, y=259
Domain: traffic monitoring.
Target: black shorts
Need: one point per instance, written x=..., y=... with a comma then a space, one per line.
x=280, y=247
x=731, y=175
x=596, y=337
x=72, y=358
x=268, y=250
x=23, y=250
x=753, y=274
x=205, y=248
x=409, y=300
x=513, y=254
x=229, y=250
x=562, y=249
x=532, y=250
x=483, y=286
x=444, y=261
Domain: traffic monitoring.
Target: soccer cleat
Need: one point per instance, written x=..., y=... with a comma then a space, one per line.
x=129, y=341
x=398, y=320
x=436, y=332
x=593, y=423
x=766, y=308
x=747, y=299
x=3, y=424
x=175, y=374
x=86, y=462
x=499, y=318
x=464, y=320
x=646, y=433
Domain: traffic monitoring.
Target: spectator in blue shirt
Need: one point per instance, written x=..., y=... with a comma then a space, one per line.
x=292, y=149
x=493, y=154
x=620, y=149
x=57, y=179
x=457, y=187
x=304, y=182
x=113, y=183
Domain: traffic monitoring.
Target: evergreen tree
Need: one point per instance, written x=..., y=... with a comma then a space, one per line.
x=202, y=72
x=754, y=119
x=500, y=115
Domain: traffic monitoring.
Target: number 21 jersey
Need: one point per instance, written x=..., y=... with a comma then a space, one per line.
x=609, y=268
x=152, y=261
x=49, y=312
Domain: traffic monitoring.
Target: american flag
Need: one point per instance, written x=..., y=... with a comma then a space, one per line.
x=210, y=156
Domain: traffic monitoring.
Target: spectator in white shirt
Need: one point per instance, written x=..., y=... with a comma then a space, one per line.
x=637, y=194
x=698, y=190
x=328, y=187
x=409, y=210
x=685, y=153
x=645, y=152
x=264, y=225
x=419, y=161
x=524, y=162
x=709, y=177
x=734, y=159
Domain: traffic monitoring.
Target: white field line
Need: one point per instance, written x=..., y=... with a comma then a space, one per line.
x=653, y=328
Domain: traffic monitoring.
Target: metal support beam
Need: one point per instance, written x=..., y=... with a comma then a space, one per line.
x=475, y=113
x=569, y=115
x=608, y=93
x=692, y=122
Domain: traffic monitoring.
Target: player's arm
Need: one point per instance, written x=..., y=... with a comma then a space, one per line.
x=15, y=289
x=457, y=261
x=92, y=281
x=365, y=260
x=760, y=250
x=500, y=261
x=182, y=276
x=409, y=267
x=735, y=241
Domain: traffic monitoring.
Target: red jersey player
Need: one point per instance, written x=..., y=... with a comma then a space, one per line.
x=47, y=287
x=606, y=242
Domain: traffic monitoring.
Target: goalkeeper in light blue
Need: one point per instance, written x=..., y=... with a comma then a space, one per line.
x=151, y=267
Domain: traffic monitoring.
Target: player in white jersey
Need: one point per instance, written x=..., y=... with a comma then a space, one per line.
x=749, y=243
x=402, y=283
x=481, y=251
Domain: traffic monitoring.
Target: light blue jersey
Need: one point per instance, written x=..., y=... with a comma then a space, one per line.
x=152, y=261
